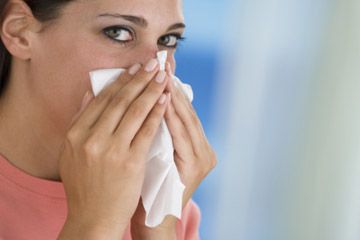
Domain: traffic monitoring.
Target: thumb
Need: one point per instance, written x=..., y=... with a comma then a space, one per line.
x=85, y=101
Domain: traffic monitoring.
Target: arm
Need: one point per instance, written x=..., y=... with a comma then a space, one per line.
x=77, y=229
x=185, y=229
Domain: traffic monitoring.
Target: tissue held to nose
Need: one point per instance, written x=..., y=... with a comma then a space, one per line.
x=162, y=56
x=104, y=77
x=162, y=190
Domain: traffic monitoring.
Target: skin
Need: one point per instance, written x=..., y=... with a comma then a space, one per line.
x=59, y=129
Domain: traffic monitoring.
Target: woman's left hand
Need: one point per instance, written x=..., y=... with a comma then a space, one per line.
x=194, y=157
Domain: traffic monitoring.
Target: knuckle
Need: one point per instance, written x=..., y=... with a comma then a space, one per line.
x=213, y=163
x=205, y=164
x=148, y=131
x=138, y=110
x=112, y=157
x=113, y=87
x=184, y=135
x=119, y=99
x=120, y=82
x=92, y=147
x=73, y=135
x=155, y=88
x=144, y=77
x=131, y=166
x=200, y=170
x=156, y=114
x=141, y=80
x=213, y=159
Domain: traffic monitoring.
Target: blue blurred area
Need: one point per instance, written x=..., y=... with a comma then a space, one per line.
x=198, y=68
x=198, y=64
x=275, y=84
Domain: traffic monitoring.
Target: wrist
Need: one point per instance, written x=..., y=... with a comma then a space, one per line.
x=144, y=233
x=165, y=231
x=91, y=230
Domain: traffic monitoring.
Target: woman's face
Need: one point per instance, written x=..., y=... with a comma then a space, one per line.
x=94, y=34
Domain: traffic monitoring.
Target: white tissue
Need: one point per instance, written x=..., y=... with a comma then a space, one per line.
x=162, y=56
x=162, y=190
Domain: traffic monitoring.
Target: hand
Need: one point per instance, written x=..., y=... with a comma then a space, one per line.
x=194, y=157
x=102, y=165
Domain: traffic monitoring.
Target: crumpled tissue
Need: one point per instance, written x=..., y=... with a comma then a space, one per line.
x=162, y=190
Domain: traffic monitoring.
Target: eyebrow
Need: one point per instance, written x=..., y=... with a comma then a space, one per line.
x=140, y=21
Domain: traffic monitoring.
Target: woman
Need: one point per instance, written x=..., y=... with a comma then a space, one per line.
x=72, y=165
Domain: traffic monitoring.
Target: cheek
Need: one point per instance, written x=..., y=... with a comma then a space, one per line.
x=61, y=69
x=61, y=76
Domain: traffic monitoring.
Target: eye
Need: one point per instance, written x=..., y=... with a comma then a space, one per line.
x=118, y=33
x=171, y=40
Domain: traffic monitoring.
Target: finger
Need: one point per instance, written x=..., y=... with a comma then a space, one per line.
x=114, y=112
x=145, y=136
x=97, y=106
x=86, y=99
x=123, y=79
x=168, y=69
x=179, y=134
x=141, y=107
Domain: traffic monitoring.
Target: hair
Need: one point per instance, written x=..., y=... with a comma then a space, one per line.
x=44, y=10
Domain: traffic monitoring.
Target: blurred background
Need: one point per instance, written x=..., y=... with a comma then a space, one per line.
x=277, y=87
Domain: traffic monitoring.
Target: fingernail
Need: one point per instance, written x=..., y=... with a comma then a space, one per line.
x=151, y=65
x=162, y=99
x=134, y=69
x=85, y=99
x=160, y=77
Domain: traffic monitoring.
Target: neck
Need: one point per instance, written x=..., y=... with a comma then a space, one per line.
x=29, y=139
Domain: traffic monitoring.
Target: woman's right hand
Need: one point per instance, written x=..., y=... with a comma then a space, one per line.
x=102, y=164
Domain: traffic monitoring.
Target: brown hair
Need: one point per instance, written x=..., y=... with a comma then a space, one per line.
x=43, y=10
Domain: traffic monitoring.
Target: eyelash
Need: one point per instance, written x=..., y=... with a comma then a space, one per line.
x=106, y=31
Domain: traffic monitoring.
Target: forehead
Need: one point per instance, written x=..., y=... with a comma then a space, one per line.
x=151, y=10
